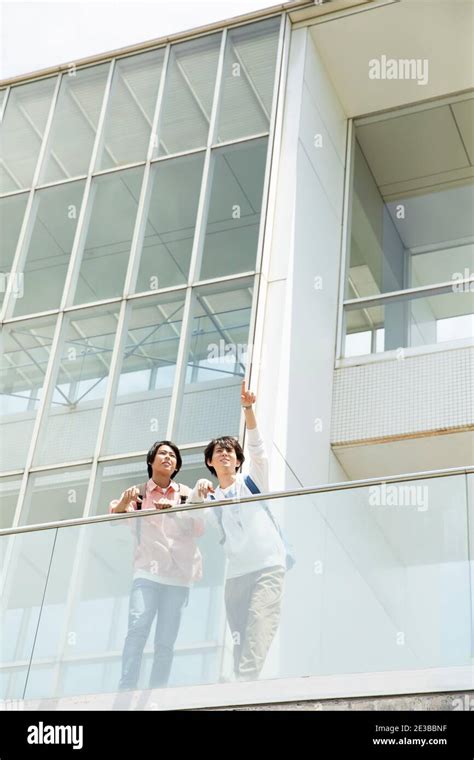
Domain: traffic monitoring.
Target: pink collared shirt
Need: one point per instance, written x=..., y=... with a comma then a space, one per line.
x=166, y=550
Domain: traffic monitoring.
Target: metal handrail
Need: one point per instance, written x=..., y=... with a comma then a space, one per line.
x=326, y=488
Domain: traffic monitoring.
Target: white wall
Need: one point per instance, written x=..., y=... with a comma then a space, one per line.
x=299, y=291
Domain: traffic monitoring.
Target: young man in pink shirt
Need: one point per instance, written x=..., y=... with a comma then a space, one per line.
x=167, y=562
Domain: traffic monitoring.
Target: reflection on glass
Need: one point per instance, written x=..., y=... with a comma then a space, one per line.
x=25, y=348
x=147, y=372
x=171, y=221
x=189, y=91
x=55, y=495
x=112, y=211
x=235, y=204
x=72, y=419
x=22, y=132
x=12, y=210
x=75, y=121
x=215, y=366
x=55, y=219
x=130, y=109
x=9, y=490
x=249, y=73
x=409, y=322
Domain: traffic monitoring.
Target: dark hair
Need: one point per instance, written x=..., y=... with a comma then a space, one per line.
x=150, y=457
x=227, y=442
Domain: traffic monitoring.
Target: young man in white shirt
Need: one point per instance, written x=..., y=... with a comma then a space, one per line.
x=253, y=544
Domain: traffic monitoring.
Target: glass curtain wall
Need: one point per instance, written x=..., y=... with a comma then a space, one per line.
x=411, y=242
x=131, y=196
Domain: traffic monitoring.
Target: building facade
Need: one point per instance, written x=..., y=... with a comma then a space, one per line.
x=287, y=198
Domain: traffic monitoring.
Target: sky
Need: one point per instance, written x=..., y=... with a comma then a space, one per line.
x=36, y=35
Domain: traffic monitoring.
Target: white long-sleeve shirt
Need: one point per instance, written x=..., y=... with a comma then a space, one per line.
x=252, y=541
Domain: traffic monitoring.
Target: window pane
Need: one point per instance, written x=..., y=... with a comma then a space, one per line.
x=412, y=225
x=189, y=92
x=412, y=322
x=171, y=221
x=113, y=205
x=12, y=210
x=72, y=420
x=75, y=123
x=233, y=221
x=55, y=219
x=147, y=374
x=22, y=132
x=55, y=495
x=114, y=477
x=216, y=361
x=9, y=490
x=25, y=349
x=130, y=109
x=249, y=73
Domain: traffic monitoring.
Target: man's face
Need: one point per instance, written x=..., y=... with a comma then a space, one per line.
x=224, y=459
x=164, y=463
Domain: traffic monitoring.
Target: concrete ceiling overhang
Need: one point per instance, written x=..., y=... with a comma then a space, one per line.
x=440, y=32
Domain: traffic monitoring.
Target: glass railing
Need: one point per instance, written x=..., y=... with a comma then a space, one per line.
x=381, y=582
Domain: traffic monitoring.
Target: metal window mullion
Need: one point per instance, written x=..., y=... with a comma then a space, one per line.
x=424, y=291
x=26, y=226
x=206, y=180
x=257, y=316
x=4, y=104
x=21, y=254
x=218, y=88
x=345, y=234
x=47, y=133
x=180, y=373
x=110, y=393
x=100, y=131
x=271, y=171
x=146, y=188
x=158, y=107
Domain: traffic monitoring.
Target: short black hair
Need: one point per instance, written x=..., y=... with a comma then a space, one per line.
x=150, y=457
x=227, y=442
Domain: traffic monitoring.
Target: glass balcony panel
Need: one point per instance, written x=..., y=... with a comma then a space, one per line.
x=27, y=557
x=385, y=555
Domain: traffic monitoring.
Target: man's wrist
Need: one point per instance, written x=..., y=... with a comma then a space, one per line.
x=247, y=407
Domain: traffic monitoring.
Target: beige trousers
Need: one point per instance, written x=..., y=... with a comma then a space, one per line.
x=253, y=603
